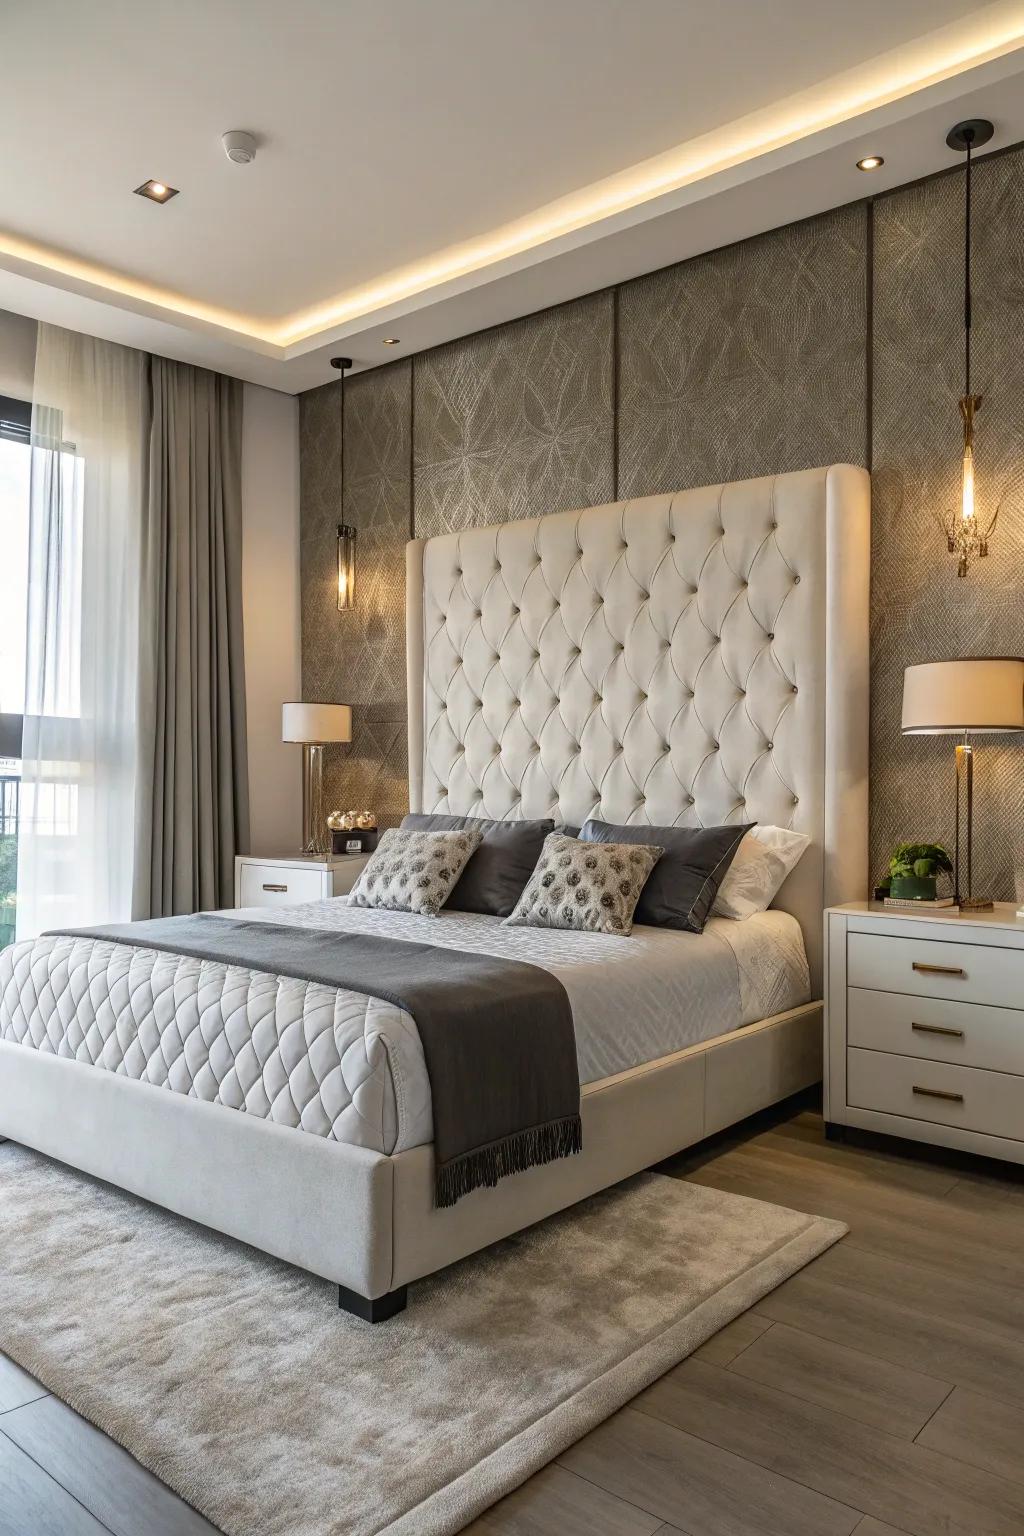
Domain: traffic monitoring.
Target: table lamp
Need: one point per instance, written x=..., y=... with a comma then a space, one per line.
x=315, y=726
x=982, y=695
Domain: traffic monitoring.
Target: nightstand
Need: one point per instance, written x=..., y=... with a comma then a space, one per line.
x=924, y=1025
x=270, y=882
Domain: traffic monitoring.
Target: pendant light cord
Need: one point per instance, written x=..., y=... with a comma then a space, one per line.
x=967, y=272
x=342, y=364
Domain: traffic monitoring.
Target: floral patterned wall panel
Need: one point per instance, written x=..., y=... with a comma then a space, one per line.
x=516, y=421
x=748, y=361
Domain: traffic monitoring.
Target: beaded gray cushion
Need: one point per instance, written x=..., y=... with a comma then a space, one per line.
x=414, y=871
x=593, y=887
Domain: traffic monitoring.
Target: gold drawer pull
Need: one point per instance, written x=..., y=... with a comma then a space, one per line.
x=939, y=1093
x=938, y=970
x=938, y=1029
x=275, y=888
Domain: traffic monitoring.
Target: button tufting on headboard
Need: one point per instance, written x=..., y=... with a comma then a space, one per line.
x=575, y=647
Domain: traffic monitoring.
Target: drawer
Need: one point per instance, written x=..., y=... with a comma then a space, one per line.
x=270, y=885
x=990, y=1102
x=968, y=973
x=970, y=1034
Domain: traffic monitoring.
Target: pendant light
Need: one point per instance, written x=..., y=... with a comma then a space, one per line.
x=346, y=533
x=964, y=536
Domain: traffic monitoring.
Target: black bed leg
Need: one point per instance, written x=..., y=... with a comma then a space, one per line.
x=376, y=1311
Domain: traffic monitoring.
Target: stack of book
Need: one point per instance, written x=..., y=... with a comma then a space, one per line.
x=904, y=903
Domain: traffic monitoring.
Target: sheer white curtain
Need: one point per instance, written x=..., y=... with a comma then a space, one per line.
x=79, y=752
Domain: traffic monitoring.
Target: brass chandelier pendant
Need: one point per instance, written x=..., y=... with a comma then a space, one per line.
x=966, y=538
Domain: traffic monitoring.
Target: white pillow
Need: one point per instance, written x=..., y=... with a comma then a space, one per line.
x=762, y=861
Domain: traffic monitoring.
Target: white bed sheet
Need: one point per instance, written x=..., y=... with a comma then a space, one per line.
x=633, y=998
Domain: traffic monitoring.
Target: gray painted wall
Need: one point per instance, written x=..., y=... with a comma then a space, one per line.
x=759, y=358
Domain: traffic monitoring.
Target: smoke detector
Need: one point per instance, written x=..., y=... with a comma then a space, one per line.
x=239, y=146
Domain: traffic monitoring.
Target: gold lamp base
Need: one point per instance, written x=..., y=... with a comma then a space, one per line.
x=962, y=869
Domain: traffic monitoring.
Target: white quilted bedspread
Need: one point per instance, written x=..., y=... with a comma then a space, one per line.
x=342, y=1065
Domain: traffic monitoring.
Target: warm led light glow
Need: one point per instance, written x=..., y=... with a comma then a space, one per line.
x=875, y=84
x=346, y=567
x=870, y=163
x=968, y=485
x=156, y=191
x=392, y=341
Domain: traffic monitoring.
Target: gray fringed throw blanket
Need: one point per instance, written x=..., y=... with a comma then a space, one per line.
x=497, y=1034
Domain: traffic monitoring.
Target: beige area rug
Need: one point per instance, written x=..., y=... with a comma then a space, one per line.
x=236, y=1380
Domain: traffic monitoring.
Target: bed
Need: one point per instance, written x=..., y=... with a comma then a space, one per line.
x=694, y=658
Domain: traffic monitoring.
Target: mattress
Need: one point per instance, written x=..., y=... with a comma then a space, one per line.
x=344, y=1066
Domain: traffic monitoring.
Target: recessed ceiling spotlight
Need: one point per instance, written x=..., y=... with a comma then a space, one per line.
x=156, y=191
x=391, y=341
x=870, y=163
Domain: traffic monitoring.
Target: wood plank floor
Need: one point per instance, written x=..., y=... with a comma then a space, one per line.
x=879, y=1392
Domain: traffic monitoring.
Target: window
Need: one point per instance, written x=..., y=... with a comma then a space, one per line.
x=15, y=420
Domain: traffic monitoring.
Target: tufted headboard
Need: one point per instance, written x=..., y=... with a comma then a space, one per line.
x=695, y=658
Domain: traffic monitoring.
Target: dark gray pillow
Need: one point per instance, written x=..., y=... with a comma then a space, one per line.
x=493, y=880
x=683, y=885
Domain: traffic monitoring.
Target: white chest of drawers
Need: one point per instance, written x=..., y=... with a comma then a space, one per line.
x=269, y=882
x=924, y=1026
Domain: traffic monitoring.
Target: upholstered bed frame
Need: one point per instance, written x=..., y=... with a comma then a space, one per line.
x=691, y=658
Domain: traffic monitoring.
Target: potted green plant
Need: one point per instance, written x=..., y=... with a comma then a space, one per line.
x=914, y=870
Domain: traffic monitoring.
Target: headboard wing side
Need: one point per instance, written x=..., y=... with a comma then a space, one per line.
x=415, y=675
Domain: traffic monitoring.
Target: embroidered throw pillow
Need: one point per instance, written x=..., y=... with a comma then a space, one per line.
x=493, y=880
x=414, y=871
x=592, y=887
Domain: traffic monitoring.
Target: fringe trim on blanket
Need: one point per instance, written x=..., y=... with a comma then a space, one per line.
x=483, y=1167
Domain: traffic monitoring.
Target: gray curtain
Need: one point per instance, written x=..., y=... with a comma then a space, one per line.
x=193, y=794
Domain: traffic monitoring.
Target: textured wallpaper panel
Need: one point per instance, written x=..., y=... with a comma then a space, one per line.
x=748, y=361
x=516, y=421
x=921, y=611
x=358, y=657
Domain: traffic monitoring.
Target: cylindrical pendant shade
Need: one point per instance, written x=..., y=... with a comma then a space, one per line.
x=981, y=695
x=316, y=722
x=346, y=567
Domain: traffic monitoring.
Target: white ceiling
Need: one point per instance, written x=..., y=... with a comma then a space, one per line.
x=431, y=166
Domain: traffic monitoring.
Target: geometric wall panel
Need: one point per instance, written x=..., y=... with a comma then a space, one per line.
x=358, y=657
x=747, y=361
x=516, y=421
x=921, y=610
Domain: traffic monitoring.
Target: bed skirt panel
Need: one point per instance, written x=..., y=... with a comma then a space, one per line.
x=630, y=1122
x=320, y=1204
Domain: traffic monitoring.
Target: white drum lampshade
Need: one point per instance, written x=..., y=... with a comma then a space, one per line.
x=315, y=726
x=980, y=695
x=947, y=698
